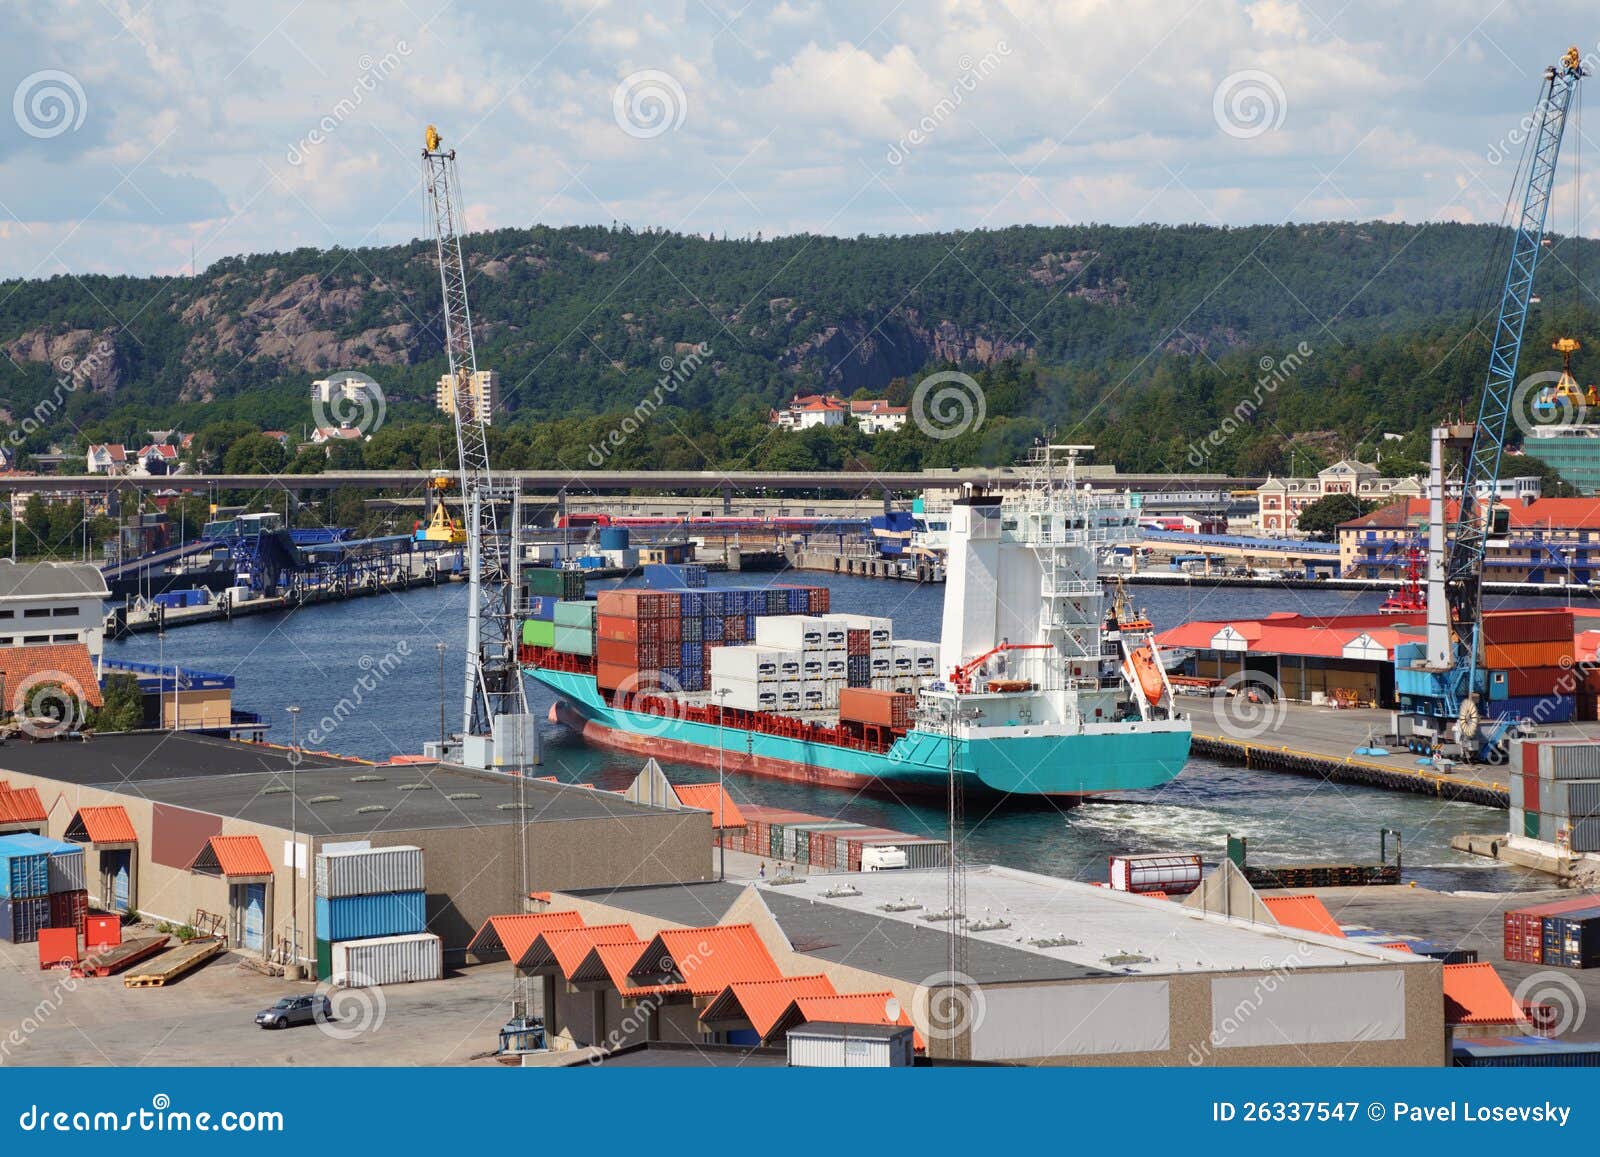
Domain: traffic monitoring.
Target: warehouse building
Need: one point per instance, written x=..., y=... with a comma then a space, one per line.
x=185, y=828
x=1061, y=973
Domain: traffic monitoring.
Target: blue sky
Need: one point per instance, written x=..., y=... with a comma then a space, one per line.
x=142, y=131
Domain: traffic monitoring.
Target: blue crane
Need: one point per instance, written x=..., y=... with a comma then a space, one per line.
x=1472, y=526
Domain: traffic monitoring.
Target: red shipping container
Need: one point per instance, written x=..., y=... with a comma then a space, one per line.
x=1541, y=681
x=610, y=676
x=102, y=932
x=613, y=627
x=69, y=910
x=1524, y=928
x=891, y=709
x=617, y=652
x=1530, y=757
x=58, y=947
x=671, y=630
x=622, y=603
x=857, y=642
x=1530, y=792
x=1527, y=626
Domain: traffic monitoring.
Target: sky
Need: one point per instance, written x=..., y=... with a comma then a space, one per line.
x=148, y=134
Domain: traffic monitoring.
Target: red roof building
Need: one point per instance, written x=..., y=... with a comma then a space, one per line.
x=233, y=857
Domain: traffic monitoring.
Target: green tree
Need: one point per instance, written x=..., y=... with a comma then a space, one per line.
x=122, y=708
x=1321, y=519
x=255, y=454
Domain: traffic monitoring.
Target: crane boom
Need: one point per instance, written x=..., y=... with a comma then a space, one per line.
x=493, y=685
x=1469, y=532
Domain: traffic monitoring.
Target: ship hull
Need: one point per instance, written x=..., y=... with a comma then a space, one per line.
x=1103, y=758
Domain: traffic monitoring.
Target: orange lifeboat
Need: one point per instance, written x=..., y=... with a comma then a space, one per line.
x=1147, y=667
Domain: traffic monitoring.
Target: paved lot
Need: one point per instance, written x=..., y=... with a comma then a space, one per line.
x=207, y=1019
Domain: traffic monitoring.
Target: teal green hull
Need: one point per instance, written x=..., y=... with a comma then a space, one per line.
x=1051, y=765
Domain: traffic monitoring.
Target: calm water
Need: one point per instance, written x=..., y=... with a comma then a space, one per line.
x=381, y=655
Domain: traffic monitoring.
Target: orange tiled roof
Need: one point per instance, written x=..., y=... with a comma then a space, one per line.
x=233, y=856
x=1306, y=913
x=566, y=948
x=68, y=664
x=713, y=798
x=762, y=1002
x=1475, y=994
x=21, y=805
x=512, y=934
x=104, y=825
x=705, y=960
x=619, y=960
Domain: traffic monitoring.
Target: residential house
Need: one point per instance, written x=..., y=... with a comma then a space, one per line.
x=876, y=415
x=806, y=411
x=108, y=458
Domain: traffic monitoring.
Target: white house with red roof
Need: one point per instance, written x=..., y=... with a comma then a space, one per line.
x=876, y=415
x=872, y=415
x=108, y=458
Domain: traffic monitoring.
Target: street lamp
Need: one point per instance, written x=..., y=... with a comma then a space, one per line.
x=294, y=836
x=722, y=791
x=441, y=646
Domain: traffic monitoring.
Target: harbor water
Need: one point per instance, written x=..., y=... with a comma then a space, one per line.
x=367, y=676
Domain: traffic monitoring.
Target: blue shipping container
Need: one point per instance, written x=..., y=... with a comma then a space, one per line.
x=64, y=860
x=711, y=629
x=363, y=917
x=20, y=920
x=715, y=603
x=543, y=608
x=24, y=871
x=1541, y=709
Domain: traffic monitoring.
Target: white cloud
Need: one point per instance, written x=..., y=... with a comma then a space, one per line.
x=1093, y=111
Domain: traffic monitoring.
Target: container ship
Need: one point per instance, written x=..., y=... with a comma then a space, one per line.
x=1036, y=685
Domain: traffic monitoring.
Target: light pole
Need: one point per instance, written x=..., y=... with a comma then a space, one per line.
x=441, y=646
x=294, y=837
x=722, y=791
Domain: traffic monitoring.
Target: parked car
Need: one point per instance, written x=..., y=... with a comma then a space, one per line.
x=295, y=1010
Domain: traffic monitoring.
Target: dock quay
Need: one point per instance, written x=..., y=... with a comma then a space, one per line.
x=1321, y=742
x=128, y=620
x=863, y=563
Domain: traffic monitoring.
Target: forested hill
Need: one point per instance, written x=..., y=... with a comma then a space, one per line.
x=578, y=320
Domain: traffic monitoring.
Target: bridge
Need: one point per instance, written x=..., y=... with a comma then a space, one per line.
x=885, y=483
x=1301, y=552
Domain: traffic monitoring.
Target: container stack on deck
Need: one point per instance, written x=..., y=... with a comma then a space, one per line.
x=41, y=886
x=822, y=844
x=543, y=588
x=370, y=915
x=1555, y=792
x=1528, y=656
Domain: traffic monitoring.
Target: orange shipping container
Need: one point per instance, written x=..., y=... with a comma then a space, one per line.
x=1527, y=656
x=613, y=627
x=890, y=709
x=610, y=676
x=1527, y=626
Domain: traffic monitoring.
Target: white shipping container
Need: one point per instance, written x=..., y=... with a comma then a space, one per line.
x=813, y=665
x=814, y=694
x=851, y=1047
x=835, y=664
x=744, y=695
x=387, y=960
x=794, y=632
x=369, y=872
x=750, y=663
x=903, y=658
x=66, y=871
x=879, y=629
x=883, y=683
x=1563, y=760
x=880, y=665
x=924, y=655
x=835, y=634
x=791, y=695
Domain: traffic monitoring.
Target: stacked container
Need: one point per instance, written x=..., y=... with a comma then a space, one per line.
x=573, y=624
x=41, y=886
x=1528, y=655
x=674, y=575
x=1526, y=929
x=824, y=844
x=1555, y=792
x=369, y=894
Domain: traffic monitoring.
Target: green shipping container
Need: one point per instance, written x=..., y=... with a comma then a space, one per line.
x=538, y=633
x=574, y=640
x=575, y=614
x=324, y=959
x=551, y=581
x=1530, y=825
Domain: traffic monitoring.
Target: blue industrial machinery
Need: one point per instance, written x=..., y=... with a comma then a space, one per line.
x=1454, y=668
x=272, y=559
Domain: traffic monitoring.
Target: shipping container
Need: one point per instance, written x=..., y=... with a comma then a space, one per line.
x=21, y=919
x=1175, y=875
x=754, y=664
x=364, y=917
x=1540, y=710
x=574, y=640
x=848, y=1046
x=538, y=633
x=561, y=583
x=1525, y=656
x=324, y=958
x=1524, y=1052
x=387, y=960
x=370, y=871
x=1572, y=799
x=1576, y=940
x=69, y=910
x=64, y=861
x=1538, y=681
x=1585, y=835
x=1524, y=927
x=23, y=872
x=1568, y=759
x=575, y=613
x=1533, y=625
x=884, y=708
